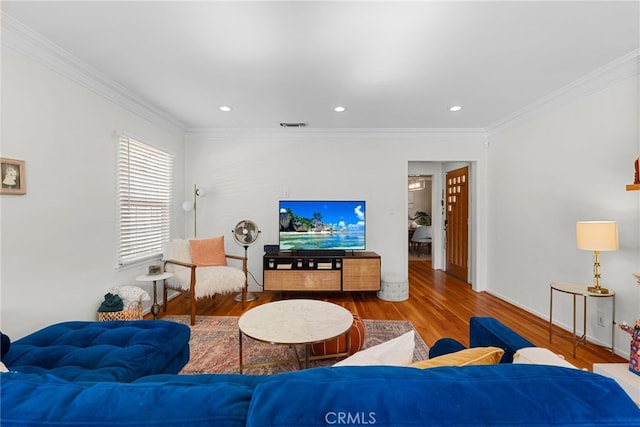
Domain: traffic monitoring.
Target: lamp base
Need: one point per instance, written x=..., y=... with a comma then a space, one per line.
x=250, y=297
x=597, y=290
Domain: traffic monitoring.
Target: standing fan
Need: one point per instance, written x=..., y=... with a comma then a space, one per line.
x=245, y=233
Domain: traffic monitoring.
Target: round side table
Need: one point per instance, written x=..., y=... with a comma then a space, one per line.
x=155, y=278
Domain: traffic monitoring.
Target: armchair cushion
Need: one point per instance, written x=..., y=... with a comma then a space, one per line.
x=208, y=252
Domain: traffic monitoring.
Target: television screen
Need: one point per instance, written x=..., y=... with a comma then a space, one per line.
x=322, y=225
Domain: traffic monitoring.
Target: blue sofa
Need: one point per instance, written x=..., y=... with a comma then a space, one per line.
x=101, y=351
x=503, y=394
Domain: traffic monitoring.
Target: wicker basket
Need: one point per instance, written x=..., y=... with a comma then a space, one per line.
x=128, y=314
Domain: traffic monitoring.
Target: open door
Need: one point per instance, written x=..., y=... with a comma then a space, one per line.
x=457, y=225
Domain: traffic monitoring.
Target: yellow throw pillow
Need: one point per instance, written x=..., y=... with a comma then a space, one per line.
x=208, y=252
x=468, y=356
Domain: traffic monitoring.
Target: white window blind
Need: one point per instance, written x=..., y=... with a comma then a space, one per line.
x=144, y=197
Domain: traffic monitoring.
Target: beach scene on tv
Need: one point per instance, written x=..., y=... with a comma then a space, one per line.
x=322, y=225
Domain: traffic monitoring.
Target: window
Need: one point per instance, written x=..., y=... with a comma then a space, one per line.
x=144, y=199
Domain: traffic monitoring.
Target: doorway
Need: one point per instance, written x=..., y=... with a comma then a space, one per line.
x=456, y=259
x=420, y=212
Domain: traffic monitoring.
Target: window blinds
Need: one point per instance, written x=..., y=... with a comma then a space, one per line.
x=144, y=198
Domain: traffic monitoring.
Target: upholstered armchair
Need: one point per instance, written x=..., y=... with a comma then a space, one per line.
x=200, y=269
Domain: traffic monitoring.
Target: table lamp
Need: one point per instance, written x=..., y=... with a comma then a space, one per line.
x=597, y=236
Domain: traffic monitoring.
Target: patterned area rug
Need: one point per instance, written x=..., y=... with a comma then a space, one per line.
x=214, y=346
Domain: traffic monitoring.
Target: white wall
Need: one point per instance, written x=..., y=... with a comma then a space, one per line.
x=568, y=165
x=246, y=174
x=59, y=241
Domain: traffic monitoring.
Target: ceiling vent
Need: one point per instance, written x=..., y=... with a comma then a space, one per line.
x=293, y=125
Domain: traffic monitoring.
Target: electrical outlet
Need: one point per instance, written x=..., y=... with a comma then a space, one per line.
x=601, y=318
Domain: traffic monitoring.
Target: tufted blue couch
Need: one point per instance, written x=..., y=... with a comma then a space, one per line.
x=101, y=351
x=503, y=394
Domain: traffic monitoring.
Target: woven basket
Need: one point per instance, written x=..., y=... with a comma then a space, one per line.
x=128, y=314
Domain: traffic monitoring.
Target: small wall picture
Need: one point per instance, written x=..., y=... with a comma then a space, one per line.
x=13, y=176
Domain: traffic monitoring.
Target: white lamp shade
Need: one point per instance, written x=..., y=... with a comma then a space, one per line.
x=187, y=206
x=597, y=235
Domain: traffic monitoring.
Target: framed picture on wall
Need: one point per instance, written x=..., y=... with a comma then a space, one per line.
x=13, y=176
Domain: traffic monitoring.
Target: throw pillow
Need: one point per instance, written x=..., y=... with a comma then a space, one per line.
x=468, y=356
x=208, y=252
x=395, y=352
x=540, y=356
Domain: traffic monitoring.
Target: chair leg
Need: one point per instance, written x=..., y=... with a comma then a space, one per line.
x=193, y=311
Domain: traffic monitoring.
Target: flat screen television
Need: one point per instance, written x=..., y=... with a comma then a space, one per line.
x=322, y=225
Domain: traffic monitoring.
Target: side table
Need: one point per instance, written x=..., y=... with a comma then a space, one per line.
x=629, y=381
x=155, y=278
x=578, y=289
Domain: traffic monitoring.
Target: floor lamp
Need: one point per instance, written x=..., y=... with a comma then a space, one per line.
x=597, y=236
x=189, y=205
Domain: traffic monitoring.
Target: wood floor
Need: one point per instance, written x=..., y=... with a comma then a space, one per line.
x=438, y=306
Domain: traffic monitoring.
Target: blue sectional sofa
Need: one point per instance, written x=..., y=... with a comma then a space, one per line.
x=503, y=394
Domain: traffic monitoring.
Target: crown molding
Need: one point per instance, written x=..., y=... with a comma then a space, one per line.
x=620, y=69
x=224, y=134
x=24, y=40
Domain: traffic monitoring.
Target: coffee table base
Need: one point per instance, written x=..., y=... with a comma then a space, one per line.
x=297, y=359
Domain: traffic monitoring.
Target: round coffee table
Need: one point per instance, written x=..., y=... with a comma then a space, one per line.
x=295, y=322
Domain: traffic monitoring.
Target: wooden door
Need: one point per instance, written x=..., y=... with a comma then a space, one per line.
x=457, y=214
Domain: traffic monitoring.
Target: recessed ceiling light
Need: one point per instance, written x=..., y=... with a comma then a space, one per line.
x=340, y=109
x=225, y=108
x=455, y=108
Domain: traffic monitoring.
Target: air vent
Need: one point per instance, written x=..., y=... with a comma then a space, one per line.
x=293, y=125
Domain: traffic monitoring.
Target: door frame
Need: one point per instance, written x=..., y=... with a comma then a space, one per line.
x=438, y=170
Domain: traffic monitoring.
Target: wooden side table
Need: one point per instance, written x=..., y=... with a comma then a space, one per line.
x=629, y=381
x=155, y=278
x=575, y=290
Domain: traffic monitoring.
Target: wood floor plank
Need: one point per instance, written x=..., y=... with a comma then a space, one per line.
x=439, y=306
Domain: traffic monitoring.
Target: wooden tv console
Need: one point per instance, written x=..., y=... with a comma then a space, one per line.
x=354, y=271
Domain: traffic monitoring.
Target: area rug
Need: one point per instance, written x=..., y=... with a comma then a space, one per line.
x=214, y=346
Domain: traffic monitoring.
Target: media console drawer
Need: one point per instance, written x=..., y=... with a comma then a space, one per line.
x=302, y=280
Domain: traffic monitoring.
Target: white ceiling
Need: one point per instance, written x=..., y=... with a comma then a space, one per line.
x=392, y=64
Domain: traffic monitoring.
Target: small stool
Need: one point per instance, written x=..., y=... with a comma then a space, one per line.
x=394, y=287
